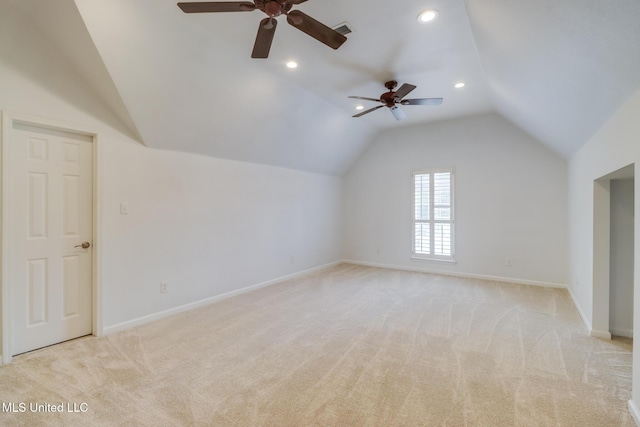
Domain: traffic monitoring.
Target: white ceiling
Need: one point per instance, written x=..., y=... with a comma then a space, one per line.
x=186, y=82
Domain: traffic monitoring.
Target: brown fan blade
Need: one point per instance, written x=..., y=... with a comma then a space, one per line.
x=295, y=1
x=368, y=111
x=404, y=90
x=217, y=6
x=266, y=31
x=366, y=99
x=315, y=29
x=422, y=101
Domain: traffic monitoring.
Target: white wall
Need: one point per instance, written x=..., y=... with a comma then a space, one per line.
x=205, y=226
x=621, y=258
x=614, y=146
x=510, y=195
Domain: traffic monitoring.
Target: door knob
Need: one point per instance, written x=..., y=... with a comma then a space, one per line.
x=83, y=245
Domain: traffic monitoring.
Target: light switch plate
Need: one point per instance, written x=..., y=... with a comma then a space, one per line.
x=124, y=209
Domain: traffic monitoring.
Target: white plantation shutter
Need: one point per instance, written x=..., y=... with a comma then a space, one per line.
x=433, y=215
x=422, y=239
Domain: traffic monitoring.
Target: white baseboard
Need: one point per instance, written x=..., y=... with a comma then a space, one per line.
x=458, y=274
x=633, y=409
x=627, y=333
x=605, y=335
x=196, y=304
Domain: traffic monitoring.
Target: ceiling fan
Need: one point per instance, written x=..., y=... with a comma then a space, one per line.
x=267, y=28
x=393, y=100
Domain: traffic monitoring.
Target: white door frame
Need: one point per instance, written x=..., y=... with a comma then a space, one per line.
x=8, y=119
x=600, y=327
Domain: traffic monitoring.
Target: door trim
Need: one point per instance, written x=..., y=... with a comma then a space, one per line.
x=7, y=122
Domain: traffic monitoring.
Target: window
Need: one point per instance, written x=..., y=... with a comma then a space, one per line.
x=433, y=222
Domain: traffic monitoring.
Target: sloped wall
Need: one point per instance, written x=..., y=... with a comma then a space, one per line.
x=510, y=195
x=202, y=225
x=207, y=226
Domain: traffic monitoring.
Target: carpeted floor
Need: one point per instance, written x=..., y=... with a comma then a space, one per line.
x=347, y=346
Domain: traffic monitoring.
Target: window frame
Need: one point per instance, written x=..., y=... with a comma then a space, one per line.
x=432, y=221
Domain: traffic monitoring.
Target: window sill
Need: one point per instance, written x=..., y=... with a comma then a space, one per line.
x=434, y=260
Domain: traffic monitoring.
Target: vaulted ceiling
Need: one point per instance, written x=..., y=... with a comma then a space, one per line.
x=557, y=69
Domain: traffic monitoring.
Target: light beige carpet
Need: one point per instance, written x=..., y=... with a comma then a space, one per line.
x=348, y=346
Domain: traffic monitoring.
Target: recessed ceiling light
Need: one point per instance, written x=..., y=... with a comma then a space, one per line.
x=427, y=15
x=359, y=107
x=459, y=85
x=292, y=64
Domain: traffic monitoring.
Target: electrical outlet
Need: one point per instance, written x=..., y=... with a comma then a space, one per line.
x=510, y=262
x=163, y=288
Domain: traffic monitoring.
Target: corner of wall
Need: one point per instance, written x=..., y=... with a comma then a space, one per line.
x=583, y=316
x=633, y=409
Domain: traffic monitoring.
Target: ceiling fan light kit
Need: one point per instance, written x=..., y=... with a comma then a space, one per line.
x=392, y=100
x=267, y=28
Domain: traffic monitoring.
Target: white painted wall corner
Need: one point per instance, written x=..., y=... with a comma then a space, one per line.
x=584, y=318
x=633, y=408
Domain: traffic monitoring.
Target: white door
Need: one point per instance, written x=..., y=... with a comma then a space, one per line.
x=51, y=217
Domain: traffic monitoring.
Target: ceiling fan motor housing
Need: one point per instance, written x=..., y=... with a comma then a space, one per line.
x=273, y=8
x=389, y=98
